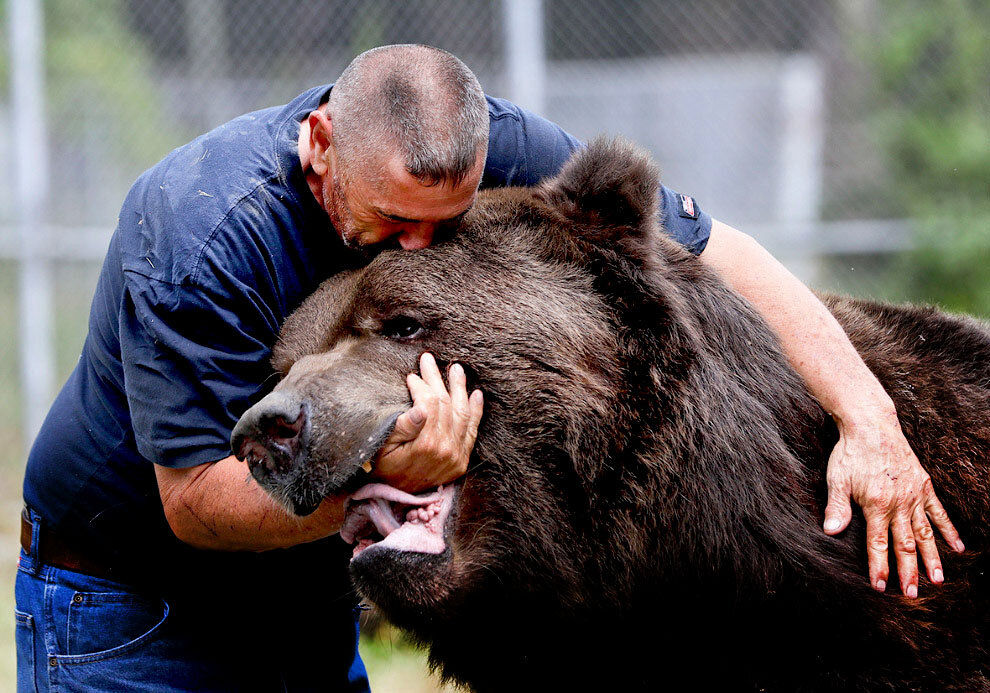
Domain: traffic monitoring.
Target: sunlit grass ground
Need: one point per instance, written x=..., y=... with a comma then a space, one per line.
x=392, y=664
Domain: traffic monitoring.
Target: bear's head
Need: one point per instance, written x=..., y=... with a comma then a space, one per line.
x=554, y=300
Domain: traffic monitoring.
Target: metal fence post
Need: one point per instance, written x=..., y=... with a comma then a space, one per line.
x=525, y=54
x=31, y=180
x=801, y=166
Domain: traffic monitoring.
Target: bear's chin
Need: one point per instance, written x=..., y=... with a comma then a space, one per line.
x=405, y=585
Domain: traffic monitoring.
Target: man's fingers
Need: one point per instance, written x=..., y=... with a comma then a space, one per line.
x=419, y=390
x=925, y=537
x=876, y=549
x=905, y=550
x=476, y=406
x=457, y=381
x=940, y=519
x=408, y=426
x=838, y=512
x=431, y=373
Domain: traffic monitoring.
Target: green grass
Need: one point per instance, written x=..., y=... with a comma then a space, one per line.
x=394, y=665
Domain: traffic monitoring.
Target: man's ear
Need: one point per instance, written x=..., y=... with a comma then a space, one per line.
x=320, y=141
x=610, y=188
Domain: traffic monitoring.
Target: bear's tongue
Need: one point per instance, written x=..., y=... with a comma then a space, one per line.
x=407, y=522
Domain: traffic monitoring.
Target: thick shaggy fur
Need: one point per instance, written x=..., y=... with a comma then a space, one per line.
x=644, y=505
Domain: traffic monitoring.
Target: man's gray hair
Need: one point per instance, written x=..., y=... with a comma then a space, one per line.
x=417, y=99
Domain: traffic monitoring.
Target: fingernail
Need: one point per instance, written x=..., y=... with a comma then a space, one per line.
x=960, y=547
x=416, y=416
x=831, y=525
x=937, y=575
x=912, y=591
x=457, y=369
x=881, y=585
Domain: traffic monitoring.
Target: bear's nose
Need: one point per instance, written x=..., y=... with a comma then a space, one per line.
x=270, y=435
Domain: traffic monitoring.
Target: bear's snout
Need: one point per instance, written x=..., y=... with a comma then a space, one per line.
x=270, y=436
x=311, y=436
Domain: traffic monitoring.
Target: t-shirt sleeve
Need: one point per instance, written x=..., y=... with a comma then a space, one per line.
x=194, y=360
x=524, y=148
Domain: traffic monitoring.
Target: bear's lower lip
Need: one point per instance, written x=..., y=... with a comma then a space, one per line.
x=378, y=514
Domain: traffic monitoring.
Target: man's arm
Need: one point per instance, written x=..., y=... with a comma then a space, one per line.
x=873, y=462
x=219, y=506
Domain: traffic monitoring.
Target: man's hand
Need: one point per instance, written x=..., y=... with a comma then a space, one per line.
x=874, y=464
x=432, y=442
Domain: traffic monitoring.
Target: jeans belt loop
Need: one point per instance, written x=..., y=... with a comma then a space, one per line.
x=35, y=521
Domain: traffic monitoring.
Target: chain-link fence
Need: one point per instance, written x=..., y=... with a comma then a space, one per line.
x=781, y=117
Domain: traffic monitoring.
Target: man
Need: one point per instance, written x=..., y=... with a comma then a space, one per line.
x=215, y=246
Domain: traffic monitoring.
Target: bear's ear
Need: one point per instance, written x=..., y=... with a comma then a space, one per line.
x=609, y=188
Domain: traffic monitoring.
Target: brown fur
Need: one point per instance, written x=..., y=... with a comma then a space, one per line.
x=644, y=504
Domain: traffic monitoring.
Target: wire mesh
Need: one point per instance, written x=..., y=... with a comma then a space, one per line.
x=776, y=115
x=768, y=112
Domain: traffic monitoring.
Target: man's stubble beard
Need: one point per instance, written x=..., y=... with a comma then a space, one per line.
x=340, y=216
x=339, y=212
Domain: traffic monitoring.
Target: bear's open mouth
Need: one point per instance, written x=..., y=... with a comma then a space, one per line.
x=382, y=514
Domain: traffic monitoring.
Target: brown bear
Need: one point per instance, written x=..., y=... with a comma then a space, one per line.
x=644, y=504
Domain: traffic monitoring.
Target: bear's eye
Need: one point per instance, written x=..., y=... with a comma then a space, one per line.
x=402, y=328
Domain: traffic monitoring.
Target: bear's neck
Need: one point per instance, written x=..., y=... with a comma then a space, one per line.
x=723, y=433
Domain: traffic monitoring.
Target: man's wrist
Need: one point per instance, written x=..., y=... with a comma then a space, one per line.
x=865, y=413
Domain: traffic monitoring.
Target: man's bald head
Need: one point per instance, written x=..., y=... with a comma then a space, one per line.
x=415, y=100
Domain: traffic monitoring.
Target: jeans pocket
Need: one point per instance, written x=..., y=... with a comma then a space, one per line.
x=24, y=637
x=111, y=623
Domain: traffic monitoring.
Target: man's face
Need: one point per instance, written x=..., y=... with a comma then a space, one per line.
x=398, y=206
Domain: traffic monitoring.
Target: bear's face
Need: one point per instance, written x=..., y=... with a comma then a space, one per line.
x=520, y=298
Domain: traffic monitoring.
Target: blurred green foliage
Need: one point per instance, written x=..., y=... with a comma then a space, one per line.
x=931, y=64
x=91, y=54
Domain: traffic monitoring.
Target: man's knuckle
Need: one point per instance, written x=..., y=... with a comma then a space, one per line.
x=907, y=545
x=925, y=532
x=903, y=504
x=878, y=500
x=877, y=542
x=938, y=514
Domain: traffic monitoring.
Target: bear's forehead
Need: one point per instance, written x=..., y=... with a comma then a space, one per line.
x=498, y=228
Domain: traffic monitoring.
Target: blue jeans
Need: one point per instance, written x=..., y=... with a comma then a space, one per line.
x=76, y=632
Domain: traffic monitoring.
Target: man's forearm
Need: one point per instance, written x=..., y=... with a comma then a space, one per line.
x=812, y=339
x=219, y=506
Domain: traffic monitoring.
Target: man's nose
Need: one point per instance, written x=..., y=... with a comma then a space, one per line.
x=417, y=237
